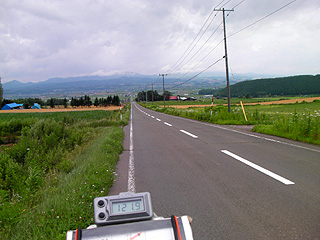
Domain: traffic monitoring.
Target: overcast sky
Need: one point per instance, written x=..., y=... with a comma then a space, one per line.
x=41, y=39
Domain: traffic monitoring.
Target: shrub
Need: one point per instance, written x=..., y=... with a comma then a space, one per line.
x=47, y=146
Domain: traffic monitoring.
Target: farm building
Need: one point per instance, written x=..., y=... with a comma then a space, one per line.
x=12, y=106
x=173, y=98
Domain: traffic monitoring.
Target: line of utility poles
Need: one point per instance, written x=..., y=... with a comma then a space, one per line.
x=164, y=97
x=226, y=53
x=147, y=94
x=152, y=92
x=226, y=61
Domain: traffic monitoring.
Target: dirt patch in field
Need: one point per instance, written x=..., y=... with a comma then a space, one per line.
x=299, y=100
x=61, y=109
x=261, y=103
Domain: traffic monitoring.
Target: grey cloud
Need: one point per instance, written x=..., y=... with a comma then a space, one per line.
x=43, y=39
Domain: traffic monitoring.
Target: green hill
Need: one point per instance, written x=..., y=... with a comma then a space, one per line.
x=284, y=86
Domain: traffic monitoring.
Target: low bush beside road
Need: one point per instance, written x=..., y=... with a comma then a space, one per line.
x=53, y=167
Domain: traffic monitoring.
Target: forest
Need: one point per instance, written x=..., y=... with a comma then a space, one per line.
x=284, y=86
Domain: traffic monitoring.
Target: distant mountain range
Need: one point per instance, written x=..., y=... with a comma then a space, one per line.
x=73, y=86
x=115, y=84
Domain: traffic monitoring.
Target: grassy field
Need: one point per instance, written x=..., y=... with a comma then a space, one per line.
x=207, y=101
x=52, y=165
x=303, y=107
x=297, y=121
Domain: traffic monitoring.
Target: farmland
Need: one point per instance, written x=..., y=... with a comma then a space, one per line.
x=297, y=121
x=52, y=165
x=247, y=101
x=61, y=109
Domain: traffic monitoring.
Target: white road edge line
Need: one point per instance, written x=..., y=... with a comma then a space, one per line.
x=152, y=116
x=158, y=119
x=190, y=134
x=168, y=124
x=131, y=179
x=257, y=167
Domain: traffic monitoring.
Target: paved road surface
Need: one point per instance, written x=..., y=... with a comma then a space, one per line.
x=233, y=183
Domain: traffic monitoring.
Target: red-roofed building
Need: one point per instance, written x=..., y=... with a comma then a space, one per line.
x=173, y=98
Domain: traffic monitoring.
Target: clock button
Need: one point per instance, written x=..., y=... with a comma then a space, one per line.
x=102, y=216
x=101, y=203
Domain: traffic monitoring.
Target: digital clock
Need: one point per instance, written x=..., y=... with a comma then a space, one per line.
x=129, y=206
x=125, y=207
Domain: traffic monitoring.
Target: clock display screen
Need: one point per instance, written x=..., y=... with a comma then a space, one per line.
x=130, y=206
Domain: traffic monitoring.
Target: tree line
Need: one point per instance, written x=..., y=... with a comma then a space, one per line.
x=74, y=102
x=152, y=96
x=1, y=91
x=27, y=102
x=115, y=101
x=102, y=102
x=285, y=86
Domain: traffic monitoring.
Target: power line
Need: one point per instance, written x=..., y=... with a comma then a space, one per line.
x=173, y=66
x=234, y=34
x=203, y=44
x=225, y=4
x=238, y=4
x=194, y=45
x=250, y=25
x=203, y=51
x=180, y=78
x=154, y=83
x=206, y=41
x=202, y=59
x=198, y=73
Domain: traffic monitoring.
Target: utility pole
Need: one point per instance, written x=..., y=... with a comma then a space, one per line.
x=146, y=96
x=152, y=92
x=226, y=53
x=1, y=92
x=164, y=97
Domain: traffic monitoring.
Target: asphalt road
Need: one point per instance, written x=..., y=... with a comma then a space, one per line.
x=233, y=183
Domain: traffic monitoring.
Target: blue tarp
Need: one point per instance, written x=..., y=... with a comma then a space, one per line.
x=36, y=106
x=11, y=106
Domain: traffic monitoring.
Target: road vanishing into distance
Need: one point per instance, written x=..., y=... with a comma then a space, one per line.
x=235, y=184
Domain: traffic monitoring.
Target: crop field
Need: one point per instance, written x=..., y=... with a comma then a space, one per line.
x=236, y=101
x=297, y=121
x=52, y=165
x=303, y=107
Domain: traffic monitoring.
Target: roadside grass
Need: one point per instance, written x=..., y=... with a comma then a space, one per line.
x=219, y=115
x=303, y=127
x=63, y=116
x=66, y=203
x=54, y=155
x=11, y=124
x=221, y=101
x=297, y=121
x=302, y=107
